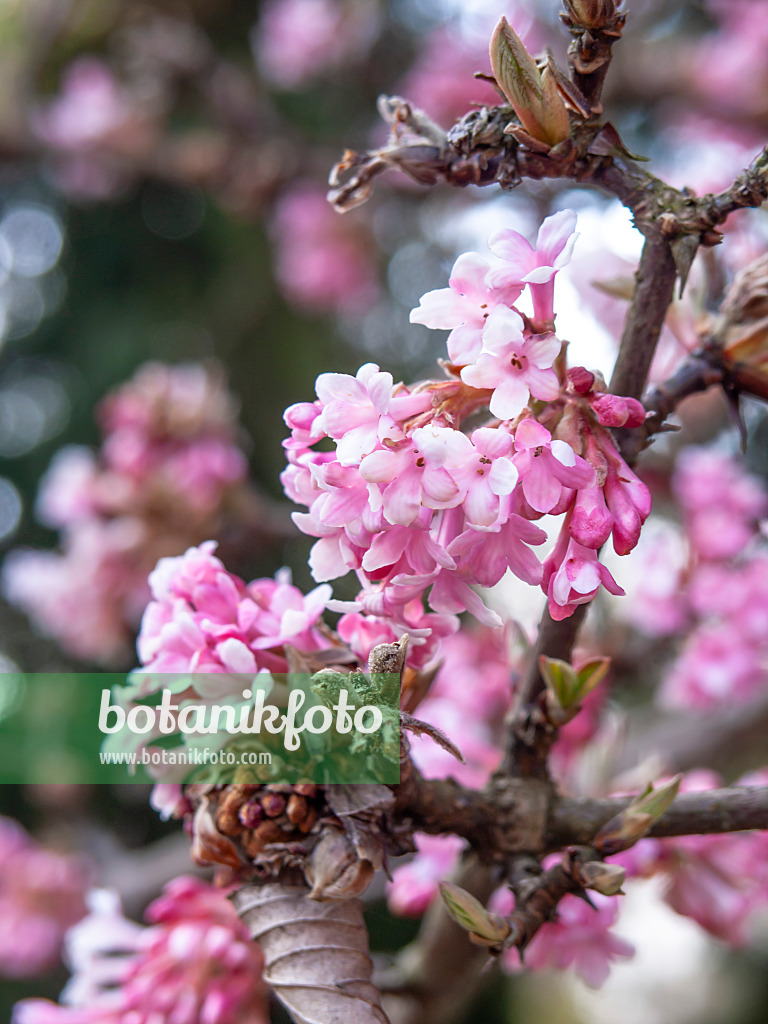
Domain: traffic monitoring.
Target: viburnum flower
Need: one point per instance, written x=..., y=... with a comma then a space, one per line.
x=572, y=576
x=486, y=475
x=415, y=885
x=464, y=306
x=513, y=365
x=415, y=473
x=166, y=472
x=204, y=619
x=195, y=962
x=546, y=466
x=355, y=410
x=534, y=265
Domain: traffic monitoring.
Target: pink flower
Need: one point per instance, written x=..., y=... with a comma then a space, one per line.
x=196, y=962
x=616, y=411
x=513, y=365
x=536, y=266
x=721, y=502
x=547, y=466
x=415, y=473
x=41, y=896
x=358, y=412
x=89, y=108
x=580, y=938
x=204, y=619
x=716, y=667
x=463, y=307
x=297, y=40
x=572, y=575
x=69, y=488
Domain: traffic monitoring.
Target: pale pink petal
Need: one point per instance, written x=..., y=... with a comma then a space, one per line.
x=440, y=309
x=510, y=398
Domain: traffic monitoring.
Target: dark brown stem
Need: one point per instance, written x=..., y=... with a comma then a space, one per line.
x=530, y=735
x=654, y=288
x=595, y=26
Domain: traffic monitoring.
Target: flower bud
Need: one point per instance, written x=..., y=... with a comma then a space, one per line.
x=485, y=928
x=634, y=822
x=604, y=878
x=591, y=14
x=335, y=871
x=581, y=380
x=534, y=96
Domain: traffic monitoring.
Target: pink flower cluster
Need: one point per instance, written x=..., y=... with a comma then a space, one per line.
x=412, y=503
x=721, y=593
x=41, y=896
x=203, y=619
x=323, y=262
x=194, y=964
x=720, y=881
x=91, y=125
x=167, y=466
x=203, y=631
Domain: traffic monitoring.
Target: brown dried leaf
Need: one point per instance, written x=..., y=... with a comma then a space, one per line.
x=209, y=846
x=316, y=954
x=425, y=729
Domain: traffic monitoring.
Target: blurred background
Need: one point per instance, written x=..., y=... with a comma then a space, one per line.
x=163, y=170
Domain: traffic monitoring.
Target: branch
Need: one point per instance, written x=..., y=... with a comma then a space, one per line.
x=595, y=26
x=530, y=734
x=655, y=283
x=729, y=740
x=576, y=821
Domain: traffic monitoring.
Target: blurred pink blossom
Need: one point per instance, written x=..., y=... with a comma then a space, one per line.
x=89, y=107
x=41, y=896
x=195, y=962
x=298, y=40
x=580, y=937
x=323, y=263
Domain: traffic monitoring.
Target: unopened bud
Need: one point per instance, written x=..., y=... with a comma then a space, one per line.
x=335, y=871
x=485, y=928
x=592, y=14
x=605, y=878
x=534, y=96
x=634, y=822
x=581, y=380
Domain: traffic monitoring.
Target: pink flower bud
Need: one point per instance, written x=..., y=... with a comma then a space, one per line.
x=616, y=411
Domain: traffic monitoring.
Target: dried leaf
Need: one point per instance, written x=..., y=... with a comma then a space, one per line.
x=360, y=809
x=316, y=954
x=209, y=846
x=425, y=729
